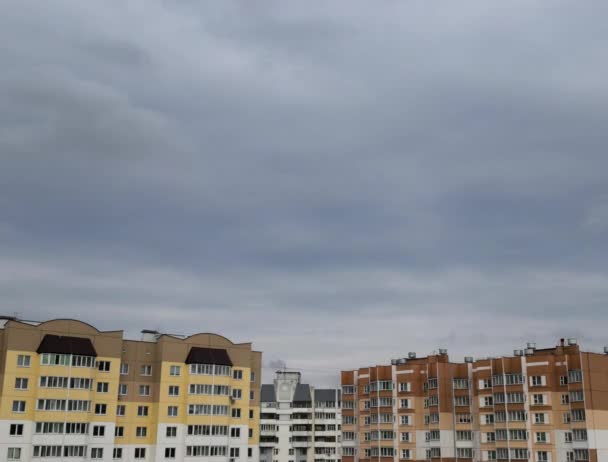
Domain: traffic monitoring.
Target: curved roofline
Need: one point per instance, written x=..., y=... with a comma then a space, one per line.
x=41, y=323
x=204, y=333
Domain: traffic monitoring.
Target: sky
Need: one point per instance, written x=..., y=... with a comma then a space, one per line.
x=339, y=183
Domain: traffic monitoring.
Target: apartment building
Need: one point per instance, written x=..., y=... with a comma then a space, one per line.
x=71, y=392
x=299, y=423
x=539, y=405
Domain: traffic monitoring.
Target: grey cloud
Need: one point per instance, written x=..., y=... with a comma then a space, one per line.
x=308, y=174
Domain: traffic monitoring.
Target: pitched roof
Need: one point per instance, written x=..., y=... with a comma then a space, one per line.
x=267, y=394
x=327, y=394
x=200, y=355
x=62, y=344
x=302, y=393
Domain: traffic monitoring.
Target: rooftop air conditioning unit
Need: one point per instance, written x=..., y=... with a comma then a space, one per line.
x=531, y=345
x=394, y=362
x=468, y=359
x=571, y=341
x=411, y=355
x=518, y=352
x=401, y=360
x=443, y=351
x=529, y=351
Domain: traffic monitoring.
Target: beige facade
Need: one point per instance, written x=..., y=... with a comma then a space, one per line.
x=541, y=405
x=68, y=390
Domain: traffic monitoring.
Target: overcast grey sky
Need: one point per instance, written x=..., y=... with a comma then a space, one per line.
x=338, y=182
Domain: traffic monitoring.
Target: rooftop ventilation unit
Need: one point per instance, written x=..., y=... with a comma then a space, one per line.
x=443, y=351
x=401, y=360
x=411, y=355
x=518, y=352
x=571, y=341
x=394, y=362
x=531, y=345
x=529, y=351
x=468, y=359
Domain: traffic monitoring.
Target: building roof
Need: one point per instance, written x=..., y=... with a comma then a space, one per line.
x=62, y=344
x=267, y=394
x=327, y=394
x=302, y=393
x=200, y=355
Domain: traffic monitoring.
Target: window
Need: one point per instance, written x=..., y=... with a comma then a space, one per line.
x=47, y=451
x=117, y=453
x=172, y=411
x=234, y=452
x=142, y=411
x=123, y=389
x=173, y=390
x=169, y=453
x=461, y=400
x=102, y=387
x=461, y=384
x=14, y=454
x=171, y=432
x=16, y=430
x=251, y=414
x=141, y=432
x=566, y=417
x=121, y=410
x=237, y=374
x=101, y=409
x=576, y=396
x=404, y=420
x=21, y=383
x=99, y=430
x=175, y=371
x=252, y=376
x=96, y=453
x=565, y=398
x=538, y=399
x=563, y=380
x=536, y=380
x=491, y=455
x=487, y=401
x=460, y=418
x=19, y=406
x=235, y=432
x=119, y=432
x=236, y=413
x=237, y=393
x=405, y=386
x=251, y=433
x=464, y=435
x=24, y=360
x=249, y=452
x=541, y=456
x=146, y=369
x=144, y=390
x=518, y=453
x=541, y=437
x=124, y=369
x=251, y=395
x=103, y=366
x=464, y=453
x=490, y=437
x=140, y=453
x=575, y=376
x=570, y=456
x=518, y=435
x=579, y=434
x=568, y=437
x=581, y=454
x=578, y=415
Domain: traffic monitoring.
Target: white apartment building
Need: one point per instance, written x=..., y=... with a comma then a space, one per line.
x=299, y=423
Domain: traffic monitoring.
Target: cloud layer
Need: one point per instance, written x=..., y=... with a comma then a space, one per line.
x=339, y=183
